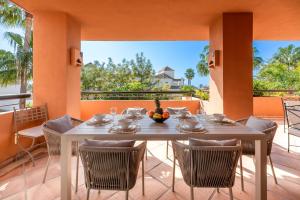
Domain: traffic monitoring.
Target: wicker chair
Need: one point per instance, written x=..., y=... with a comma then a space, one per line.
x=112, y=168
x=53, y=141
x=248, y=147
x=27, y=124
x=206, y=166
x=173, y=111
x=293, y=121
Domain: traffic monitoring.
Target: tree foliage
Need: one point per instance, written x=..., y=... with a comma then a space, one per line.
x=133, y=75
x=282, y=71
x=202, y=65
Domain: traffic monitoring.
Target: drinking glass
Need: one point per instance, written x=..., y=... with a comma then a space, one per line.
x=113, y=112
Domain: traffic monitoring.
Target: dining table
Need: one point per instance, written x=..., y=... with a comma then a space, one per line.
x=149, y=130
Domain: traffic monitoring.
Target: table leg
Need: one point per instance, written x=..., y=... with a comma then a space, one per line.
x=65, y=165
x=260, y=170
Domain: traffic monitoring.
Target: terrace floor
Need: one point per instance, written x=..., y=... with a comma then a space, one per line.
x=26, y=182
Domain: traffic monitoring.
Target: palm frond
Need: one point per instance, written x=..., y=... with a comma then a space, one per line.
x=14, y=39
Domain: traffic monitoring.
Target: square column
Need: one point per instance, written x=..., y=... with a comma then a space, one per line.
x=231, y=90
x=55, y=81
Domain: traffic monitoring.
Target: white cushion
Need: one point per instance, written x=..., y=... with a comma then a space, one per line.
x=61, y=125
x=259, y=124
x=199, y=142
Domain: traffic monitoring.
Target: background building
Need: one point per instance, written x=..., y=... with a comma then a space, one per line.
x=166, y=76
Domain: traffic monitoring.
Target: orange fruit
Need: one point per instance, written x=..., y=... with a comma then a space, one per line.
x=165, y=115
x=151, y=113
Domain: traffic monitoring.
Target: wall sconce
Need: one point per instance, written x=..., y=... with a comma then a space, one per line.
x=76, y=57
x=214, y=58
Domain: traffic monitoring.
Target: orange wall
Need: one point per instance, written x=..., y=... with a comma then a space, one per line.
x=90, y=107
x=56, y=82
x=267, y=107
x=7, y=145
x=231, y=82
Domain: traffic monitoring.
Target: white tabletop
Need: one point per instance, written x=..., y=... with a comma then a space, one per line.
x=151, y=130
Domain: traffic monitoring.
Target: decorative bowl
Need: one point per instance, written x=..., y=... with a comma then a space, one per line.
x=159, y=120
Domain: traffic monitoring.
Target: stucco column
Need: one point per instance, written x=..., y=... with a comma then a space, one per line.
x=55, y=81
x=231, y=82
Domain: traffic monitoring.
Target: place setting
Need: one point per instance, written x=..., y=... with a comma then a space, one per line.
x=124, y=126
x=100, y=120
x=190, y=125
x=183, y=114
x=220, y=119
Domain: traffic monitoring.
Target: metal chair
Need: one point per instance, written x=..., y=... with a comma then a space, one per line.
x=248, y=147
x=112, y=168
x=206, y=166
x=27, y=124
x=293, y=121
x=53, y=141
x=287, y=102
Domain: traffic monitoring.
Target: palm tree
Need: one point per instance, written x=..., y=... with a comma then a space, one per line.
x=13, y=16
x=16, y=67
x=202, y=66
x=289, y=56
x=189, y=74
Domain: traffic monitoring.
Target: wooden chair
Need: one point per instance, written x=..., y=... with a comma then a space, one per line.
x=53, y=141
x=206, y=166
x=112, y=168
x=28, y=124
x=293, y=121
x=248, y=147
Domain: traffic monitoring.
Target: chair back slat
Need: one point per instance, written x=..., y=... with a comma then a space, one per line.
x=108, y=168
x=212, y=166
x=27, y=117
x=293, y=115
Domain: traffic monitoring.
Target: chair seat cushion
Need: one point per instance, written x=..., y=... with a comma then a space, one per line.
x=108, y=143
x=199, y=142
x=60, y=125
x=259, y=124
x=33, y=132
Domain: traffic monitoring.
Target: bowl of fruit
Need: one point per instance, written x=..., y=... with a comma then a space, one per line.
x=159, y=115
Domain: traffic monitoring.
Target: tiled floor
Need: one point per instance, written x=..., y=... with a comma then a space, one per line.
x=26, y=182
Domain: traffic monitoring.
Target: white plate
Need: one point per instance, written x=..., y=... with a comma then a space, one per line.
x=186, y=129
x=94, y=122
x=119, y=130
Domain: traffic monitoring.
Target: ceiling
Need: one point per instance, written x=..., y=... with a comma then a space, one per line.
x=172, y=19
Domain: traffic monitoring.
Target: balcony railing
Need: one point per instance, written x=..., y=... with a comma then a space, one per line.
x=275, y=93
x=135, y=95
x=9, y=101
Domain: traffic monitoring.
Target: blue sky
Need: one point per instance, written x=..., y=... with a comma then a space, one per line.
x=179, y=55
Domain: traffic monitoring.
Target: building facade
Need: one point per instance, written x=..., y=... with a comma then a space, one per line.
x=166, y=77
